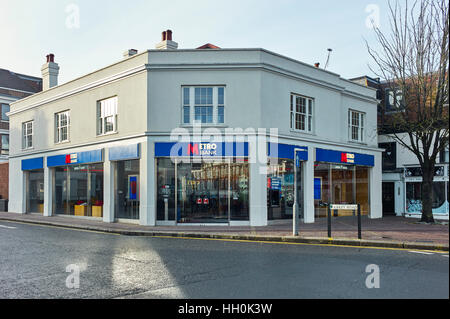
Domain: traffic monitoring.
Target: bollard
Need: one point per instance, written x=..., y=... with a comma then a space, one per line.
x=329, y=221
x=359, y=221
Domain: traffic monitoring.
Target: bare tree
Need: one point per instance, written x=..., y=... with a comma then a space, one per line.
x=412, y=59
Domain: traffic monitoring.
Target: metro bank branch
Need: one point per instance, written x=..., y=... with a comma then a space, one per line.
x=221, y=183
x=101, y=146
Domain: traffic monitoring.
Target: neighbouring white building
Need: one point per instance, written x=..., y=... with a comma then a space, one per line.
x=402, y=177
x=101, y=146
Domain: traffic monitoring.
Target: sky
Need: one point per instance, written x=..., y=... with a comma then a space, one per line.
x=87, y=35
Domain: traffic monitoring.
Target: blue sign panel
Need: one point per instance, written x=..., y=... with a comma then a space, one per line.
x=202, y=149
x=33, y=163
x=132, y=184
x=75, y=158
x=318, y=188
x=278, y=150
x=275, y=183
x=331, y=156
x=121, y=153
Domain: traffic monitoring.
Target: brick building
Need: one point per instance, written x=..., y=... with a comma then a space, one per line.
x=13, y=87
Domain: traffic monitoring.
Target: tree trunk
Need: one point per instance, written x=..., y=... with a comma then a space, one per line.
x=427, y=193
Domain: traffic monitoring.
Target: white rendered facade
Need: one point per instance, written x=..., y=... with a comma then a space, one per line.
x=258, y=88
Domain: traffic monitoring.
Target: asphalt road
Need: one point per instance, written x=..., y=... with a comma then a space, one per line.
x=34, y=260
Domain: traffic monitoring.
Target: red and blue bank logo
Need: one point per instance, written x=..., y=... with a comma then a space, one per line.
x=347, y=158
x=71, y=158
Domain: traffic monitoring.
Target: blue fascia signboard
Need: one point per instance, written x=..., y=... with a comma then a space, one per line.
x=340, y=157
x=278, y=150
x=32, y=164
x=75, y=158
x=121, y=153
x=201, y=149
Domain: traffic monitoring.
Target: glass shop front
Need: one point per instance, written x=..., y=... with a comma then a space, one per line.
x=280, y=180
x=202, y=187
x=341, y=178
x=439, y=193
x=77, y=184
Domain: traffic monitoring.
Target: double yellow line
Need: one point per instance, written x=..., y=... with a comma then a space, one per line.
x=236, y=240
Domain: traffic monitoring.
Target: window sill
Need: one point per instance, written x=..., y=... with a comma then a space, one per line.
x=302, y=132
x=62, y=142
x=107, y=134
x=204, y=125
x=357, y=142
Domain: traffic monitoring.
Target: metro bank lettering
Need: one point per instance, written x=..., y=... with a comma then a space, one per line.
x=201, y=149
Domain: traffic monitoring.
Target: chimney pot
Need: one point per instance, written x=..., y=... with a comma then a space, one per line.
x=169, y=35
x=130, y=53
x=50, y=58
x=167, y=43
x=317, y=64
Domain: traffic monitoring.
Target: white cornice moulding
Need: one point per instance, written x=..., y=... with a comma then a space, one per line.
x=216, y=66
x=85, y=87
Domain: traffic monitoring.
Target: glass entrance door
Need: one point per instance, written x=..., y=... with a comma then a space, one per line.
x=202, y=192
x=299, y=191
x=127, y=190
x=35, y=191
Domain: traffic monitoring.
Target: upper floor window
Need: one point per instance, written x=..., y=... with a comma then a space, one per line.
x=393, y=100
x=204, y=105
x=443, y=155
x=62, y=122
x=107, y=116
x=302, y=109
x=389, y=156
x=27, y=134
x=5, y=145
x=5, y=109
x=356, y=126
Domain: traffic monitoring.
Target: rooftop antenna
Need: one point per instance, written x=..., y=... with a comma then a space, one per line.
x=328, y=58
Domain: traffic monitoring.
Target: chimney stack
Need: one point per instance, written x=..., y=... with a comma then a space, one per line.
x=129, y=53
x=317, y=64
x=50, y=71
x=167, y=43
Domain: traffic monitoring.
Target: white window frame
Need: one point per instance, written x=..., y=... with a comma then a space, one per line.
x=397, y=103
x=192, y=105
x=356, y=126
x=59, y=126
x=27, y=134
x=110, y=113
x=5, y=151
x=308, y=114
x=2, y=105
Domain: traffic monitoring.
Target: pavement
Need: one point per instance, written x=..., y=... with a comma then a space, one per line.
x=388, y=232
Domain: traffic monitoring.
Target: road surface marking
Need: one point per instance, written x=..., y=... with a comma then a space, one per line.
x=3, y=226
x=420, y=252
x=62, y=227
x=291, y=243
